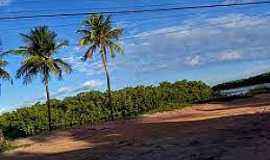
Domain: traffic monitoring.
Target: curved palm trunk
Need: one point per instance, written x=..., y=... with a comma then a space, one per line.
x=48, y=105
x=109, y=104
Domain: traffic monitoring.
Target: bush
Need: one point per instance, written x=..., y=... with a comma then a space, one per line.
x=89, y=108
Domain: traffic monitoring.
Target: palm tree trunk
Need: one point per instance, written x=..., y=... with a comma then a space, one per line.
x=109, y=104
x=48, y=105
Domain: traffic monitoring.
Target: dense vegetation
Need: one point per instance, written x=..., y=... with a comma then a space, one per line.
x=89, y=108
x=259, y=79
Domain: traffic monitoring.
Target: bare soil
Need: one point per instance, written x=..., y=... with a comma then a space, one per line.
x=236, y=130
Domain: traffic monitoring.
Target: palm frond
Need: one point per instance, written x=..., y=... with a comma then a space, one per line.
x=84, y=31
x=98, y=31
x=63, y=65
x=89, y=53
x=27, y=38
x=18, y=51
x=30, y=75
x=61, y=44
x=30, y=68
x=115, y=33
x=52, y=67
x=114, y=47
x=4, y=75
x=84, y=41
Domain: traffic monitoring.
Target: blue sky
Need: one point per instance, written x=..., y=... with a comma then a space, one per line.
x=212, y=45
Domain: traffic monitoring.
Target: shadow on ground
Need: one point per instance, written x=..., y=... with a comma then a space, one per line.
x=245, y=137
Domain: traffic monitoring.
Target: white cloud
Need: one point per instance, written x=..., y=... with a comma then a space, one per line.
x=193, y=61
x=92, y=84
x=231, y=55
x=237, y=21
x=67, y=91
x=89, y=67
x=199, y=42
x=86, y=86
x=63, y=89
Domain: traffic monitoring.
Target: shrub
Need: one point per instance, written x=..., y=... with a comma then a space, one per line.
x=89, y=108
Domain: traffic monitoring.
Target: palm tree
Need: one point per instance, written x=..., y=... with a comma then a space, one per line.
x=99, y=36
x=41, y=44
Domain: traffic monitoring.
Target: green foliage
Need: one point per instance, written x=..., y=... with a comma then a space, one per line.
x=90, y=107
x=99, y=35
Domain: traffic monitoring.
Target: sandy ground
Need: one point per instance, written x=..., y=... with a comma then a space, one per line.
x=236, y=130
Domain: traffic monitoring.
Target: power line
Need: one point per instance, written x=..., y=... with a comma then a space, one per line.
x=140, y=20
x=190, y=28
x=80, y=9
x=131, y=11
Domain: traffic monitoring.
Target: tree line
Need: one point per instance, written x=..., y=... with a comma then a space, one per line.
x=246, y=82
x=90, y=107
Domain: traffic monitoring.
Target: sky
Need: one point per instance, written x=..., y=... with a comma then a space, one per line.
x=213, y=45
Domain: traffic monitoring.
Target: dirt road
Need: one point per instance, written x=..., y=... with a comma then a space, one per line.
x=237, y=130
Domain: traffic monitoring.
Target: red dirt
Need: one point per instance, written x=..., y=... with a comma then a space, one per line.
x=218, y=131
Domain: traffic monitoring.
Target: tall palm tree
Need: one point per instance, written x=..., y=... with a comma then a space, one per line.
x=99, y=36
x=41, y=44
